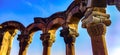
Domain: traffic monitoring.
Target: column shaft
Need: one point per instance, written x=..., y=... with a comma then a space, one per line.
x=99, y=45
x=22, y=51
x=47, y=42
x=1, y=38
x=46, y=50
x=96, y=23
x=70, y=49
x=69, y=39
x=23, y=44
x=97, y=34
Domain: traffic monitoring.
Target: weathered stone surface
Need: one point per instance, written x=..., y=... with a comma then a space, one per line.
x=96, y=21
x=96, y=15
x=69, y=36
x=117, y=2
x=47, y=41
x=99, y=3
x=24, y=42
x=111, y=2
x=7, y=42
x=1, y=37
x=9, y=30
x=114, y=2
x=97, y=34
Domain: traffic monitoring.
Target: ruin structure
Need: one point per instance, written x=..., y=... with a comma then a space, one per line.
x=92, y=13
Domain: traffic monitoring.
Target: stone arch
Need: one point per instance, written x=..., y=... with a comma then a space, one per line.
x=75, y=12
x=54, y=25
x=34, y=27
x=14, y=25
x=56, y=20
x=28, y=33
x=9, y=30
x=46, y=26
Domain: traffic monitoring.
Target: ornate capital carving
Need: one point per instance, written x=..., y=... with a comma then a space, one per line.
x=46, y=39
x=69, y=35
x=96, y=15
x=97, y=29
x=96, y=21
x=24, y=40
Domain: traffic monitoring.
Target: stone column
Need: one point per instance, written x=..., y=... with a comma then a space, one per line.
x=24, y=41
x=6, y=41
x=97, y=34
x=47, y=42
x=69, y=38
x=1, y=38
x=96, y=23
x=10, y=40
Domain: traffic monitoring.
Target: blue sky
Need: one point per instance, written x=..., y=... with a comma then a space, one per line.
x=25, y=10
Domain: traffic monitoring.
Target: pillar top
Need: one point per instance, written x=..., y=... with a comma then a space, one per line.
x=69, y=35
x=24, y=38
x=97, y=29
x=46, y=39
x=94, y=16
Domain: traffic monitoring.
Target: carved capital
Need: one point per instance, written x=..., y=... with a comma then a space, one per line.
x=69, y=35
x=24, y=41
x=97, y=29
x=96, y=15
x=46, y=39
x=97, y=34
